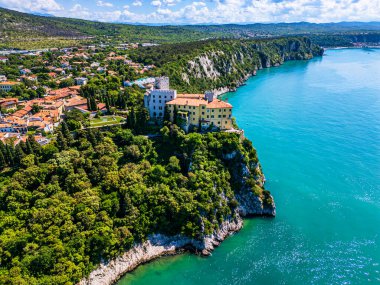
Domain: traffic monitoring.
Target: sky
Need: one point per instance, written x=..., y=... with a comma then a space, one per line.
x=204, y=11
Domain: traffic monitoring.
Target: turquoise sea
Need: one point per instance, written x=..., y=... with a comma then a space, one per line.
x=316, y=126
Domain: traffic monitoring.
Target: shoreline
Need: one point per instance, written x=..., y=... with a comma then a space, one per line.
x=156, y=246
x=337, y=48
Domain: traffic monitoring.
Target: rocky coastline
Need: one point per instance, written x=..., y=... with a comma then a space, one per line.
x=160, y=245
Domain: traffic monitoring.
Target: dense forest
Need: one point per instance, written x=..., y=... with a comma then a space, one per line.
x=20, y=30
x=90, y=195
x=214, y=64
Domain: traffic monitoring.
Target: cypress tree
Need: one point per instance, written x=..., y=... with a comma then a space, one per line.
x=175, y=115
x=9, y=155
x=19, y=155
x=3, y=164
x=142, y=119
x=88, y=104
x=94, y=107
x=37, y=149
x=23, y=146
x=2, y=148
x=29, y=149
x=108, y=105
x=131, y=119
x=166, y=114
x=66, y=133
x=61, y=141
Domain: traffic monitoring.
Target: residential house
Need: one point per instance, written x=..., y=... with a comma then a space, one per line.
x=7, y=85
x=94, y=64
x=25, y=71
x=3, y=78
x=8, y=103
x=52, y=74
x=3, y=59
x=60, y=71
x=79, y=103
x=81, y=81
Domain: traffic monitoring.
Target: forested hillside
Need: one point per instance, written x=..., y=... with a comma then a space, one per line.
x=214, y=64
x=69, y=205
x=21, y=30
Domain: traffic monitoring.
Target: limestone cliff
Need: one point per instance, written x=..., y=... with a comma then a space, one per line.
x=225, y=65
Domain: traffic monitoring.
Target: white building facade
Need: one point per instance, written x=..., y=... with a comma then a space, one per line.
x=81, y=81
x=155, y=99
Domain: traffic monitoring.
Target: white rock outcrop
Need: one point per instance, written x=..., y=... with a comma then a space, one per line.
x=156, y=246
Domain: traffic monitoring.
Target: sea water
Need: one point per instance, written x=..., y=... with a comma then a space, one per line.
x=316, y=127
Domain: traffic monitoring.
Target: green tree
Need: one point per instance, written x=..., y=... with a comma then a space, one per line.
x=61, y=141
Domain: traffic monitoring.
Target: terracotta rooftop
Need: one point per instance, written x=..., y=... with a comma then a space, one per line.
x=216, y=104
x=8, y=83
x=194, y=96
x=187, y=102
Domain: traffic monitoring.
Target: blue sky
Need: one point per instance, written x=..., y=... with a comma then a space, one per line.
x=204, y=11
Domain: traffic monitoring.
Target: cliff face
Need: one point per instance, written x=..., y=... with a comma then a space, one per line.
x=230, y=63
x=249, y=181
x=156, y=246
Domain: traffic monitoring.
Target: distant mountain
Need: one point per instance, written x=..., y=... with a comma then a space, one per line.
x=42, y=14
x=21, y=30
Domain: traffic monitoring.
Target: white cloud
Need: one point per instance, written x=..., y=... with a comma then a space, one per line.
x=104, y=4
x=45, y=6
x=170, y=2
x=137, y=3
x=78, y=11
x=215, y=11
x=156, y=3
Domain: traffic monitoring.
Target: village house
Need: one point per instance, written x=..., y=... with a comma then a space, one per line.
x=7, y=85
x=8, y=103
x=94, y=64
x=25, y=71
x=3, y=78
x=81, y=81
x=80, y=103
x=52, y=74
x=3, y=59
x=65, y=64
x=60, y=71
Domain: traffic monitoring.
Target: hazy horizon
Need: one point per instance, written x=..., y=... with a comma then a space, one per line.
x=208, y=12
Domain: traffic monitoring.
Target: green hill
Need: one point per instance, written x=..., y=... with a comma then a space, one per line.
x=21, y=30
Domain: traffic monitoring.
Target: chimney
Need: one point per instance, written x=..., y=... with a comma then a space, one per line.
x=209, y=96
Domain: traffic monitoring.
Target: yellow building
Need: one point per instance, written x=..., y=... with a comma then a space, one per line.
x=201, y=110
x=7, y=85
